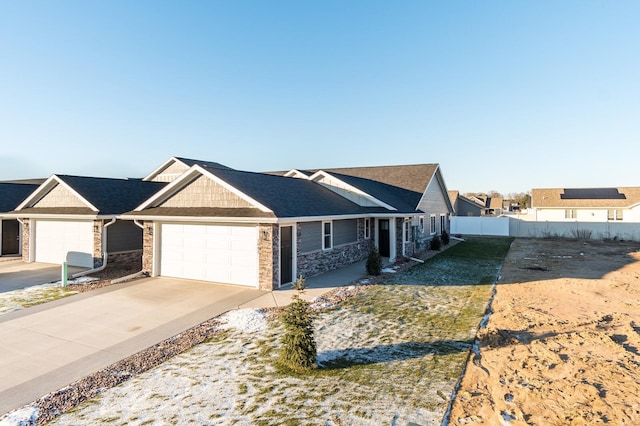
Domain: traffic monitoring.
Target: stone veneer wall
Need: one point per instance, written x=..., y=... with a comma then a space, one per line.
x=125, y=257
x=97, y=243
x=320, y=261
x=147, y=247
x=268, y=256
x=25, y=239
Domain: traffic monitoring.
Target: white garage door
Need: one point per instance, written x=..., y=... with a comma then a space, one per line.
x=224, y=254
x=64, y=241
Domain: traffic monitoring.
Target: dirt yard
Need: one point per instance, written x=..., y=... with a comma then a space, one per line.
x=562, y=346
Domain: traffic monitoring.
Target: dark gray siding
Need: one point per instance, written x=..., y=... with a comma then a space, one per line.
x=345, y=231
x=310, y=236
x=123, y=235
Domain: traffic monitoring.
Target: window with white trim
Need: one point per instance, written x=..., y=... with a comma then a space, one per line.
x=433, y=224
x=571, y=214
x=327, y=235
x=614, y=214
x=443, y=223
x=421, y=224
x=367, y=228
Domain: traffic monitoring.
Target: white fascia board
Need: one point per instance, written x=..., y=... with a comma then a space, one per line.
x=56, y=216
x=296, y=174
x=322, y=173
x=162, y=167
x=199, y=219
x=188, y=177
x=47, y=186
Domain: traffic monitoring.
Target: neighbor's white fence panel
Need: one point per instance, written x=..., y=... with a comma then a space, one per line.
x=473, y=225
x=505, y=226
x=581, y=230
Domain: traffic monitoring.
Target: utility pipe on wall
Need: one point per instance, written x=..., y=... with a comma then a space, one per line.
x=104, y=252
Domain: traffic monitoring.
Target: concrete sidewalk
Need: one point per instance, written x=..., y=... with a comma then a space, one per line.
x=314, y=287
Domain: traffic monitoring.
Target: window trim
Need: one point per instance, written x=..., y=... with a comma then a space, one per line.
x=443, y=222
x=421, y=224
x=432, y=224
x=325, y=235
x=615, y=215
x=367, y=228
x=570, y=213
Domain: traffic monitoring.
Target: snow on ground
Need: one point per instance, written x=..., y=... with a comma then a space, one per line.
x=248, y=320
x=18, y=299
x=25, y=416
x=390, y=355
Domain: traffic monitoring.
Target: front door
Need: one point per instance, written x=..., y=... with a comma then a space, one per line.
x=286, y=254
x=10, y=237
x=383, y=238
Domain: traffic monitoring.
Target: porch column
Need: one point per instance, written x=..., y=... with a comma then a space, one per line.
x=392, y=239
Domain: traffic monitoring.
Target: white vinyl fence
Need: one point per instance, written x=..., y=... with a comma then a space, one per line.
x=506, y=226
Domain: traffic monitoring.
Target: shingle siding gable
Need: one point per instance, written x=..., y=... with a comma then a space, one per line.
x=204, y=192
x=59, y=196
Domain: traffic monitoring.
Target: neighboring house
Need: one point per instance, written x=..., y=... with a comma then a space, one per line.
x=586, y=204
x=73, y=219
x=476, y=205
x=262, y=230
x=11, y=195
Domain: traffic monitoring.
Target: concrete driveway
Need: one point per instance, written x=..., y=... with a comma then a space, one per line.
x=17, y=274
x=48, y=346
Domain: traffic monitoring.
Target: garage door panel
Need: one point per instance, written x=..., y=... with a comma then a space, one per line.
x=225, y=254
x=64, y=241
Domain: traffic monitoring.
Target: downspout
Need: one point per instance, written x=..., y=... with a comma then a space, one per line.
x=104, y=253
x=135, y=274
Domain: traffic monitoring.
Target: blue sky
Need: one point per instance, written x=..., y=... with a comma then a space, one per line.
x=505, y=95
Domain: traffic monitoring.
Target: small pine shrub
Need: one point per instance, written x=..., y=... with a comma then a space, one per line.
x=299, y=284
x=299, y=351
x=436, y=243
x=445, y=237
x=374, y=262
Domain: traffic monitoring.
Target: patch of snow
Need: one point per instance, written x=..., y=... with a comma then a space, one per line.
x=389, y=271
x=249, y=320
x=25, y=416
x=79, y=280
x=365, y=281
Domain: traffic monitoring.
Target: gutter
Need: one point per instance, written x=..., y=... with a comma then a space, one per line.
x=104, y=251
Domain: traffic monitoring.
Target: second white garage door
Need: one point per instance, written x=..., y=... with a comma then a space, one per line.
x=224, y=254
x=64, y=241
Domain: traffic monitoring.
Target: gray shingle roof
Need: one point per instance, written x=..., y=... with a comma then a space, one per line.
x=13, y=194
x=292, y=197
x=402, y=199
x=206, y=164
x=112, y=196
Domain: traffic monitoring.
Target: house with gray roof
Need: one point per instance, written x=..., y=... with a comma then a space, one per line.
x=73, y=219
x=11, y=195
x=617, y=204
x=263, y=230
